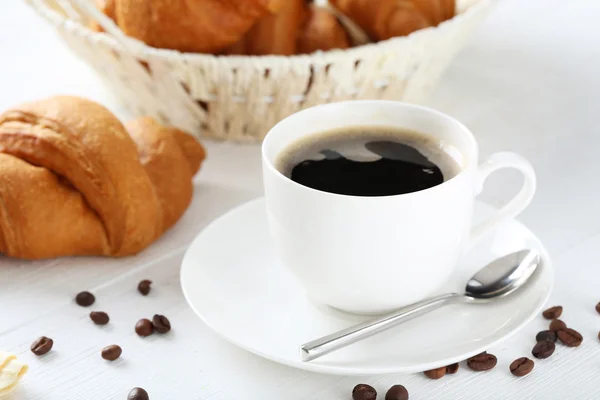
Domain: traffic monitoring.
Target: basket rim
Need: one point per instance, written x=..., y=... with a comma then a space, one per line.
x=264, y=61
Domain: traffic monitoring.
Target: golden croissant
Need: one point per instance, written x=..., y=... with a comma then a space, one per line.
x=202, y=26
x=384, y=19
x=74, y=181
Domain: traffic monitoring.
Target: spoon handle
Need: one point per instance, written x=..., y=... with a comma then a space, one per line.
x=345, y=337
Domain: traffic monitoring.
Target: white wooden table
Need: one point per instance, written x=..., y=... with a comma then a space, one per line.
x=528, y=81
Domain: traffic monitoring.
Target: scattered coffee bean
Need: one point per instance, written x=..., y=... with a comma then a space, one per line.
x=482, y=362
x=521, y=366
x=144, y=327
x=543, y=349
x=364, y=392
x=598, y=308
x=112, y=352
x=556, y=325
x=85, y=299
x=41, y=346
x=397, y=392
x=144, y=287
x=570, y=337
x=138, y=394
x=553, y=312
x=436, y=373
x=161, y=323
x=546, y=335
x=452, y=368
x=99, y=317
x=598, y=335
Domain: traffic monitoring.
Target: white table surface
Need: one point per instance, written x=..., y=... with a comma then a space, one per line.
x=528, y=81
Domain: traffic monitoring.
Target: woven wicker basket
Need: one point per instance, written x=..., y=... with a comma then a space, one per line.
x=240, y=98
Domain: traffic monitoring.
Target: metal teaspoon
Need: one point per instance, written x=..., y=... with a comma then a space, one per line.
x=499, y=278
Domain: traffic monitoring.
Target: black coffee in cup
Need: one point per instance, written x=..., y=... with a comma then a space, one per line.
x=369, y=161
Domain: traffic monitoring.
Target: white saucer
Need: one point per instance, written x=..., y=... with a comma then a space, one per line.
x=233, y=281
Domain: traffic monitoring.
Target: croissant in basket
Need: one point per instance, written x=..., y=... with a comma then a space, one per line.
x=204, y=26
x=74, y=182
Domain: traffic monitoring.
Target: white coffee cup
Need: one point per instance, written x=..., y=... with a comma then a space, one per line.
x=369, y=255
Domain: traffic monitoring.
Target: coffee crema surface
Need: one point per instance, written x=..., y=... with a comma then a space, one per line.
x=369, y=161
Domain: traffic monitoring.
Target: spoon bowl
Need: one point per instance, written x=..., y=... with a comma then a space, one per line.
x=503, y=276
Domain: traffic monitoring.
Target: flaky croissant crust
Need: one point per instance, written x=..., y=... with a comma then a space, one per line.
x=74, y=182
x=204, y=26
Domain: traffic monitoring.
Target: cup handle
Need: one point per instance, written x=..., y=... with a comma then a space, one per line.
x=517, y=204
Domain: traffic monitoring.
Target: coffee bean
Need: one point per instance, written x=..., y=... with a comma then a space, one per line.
x=161, y=323
x=144, y=287
x=482, y=362
x=112, y=352
x=452, y=368
x=99, y=317
x=138, y=394
x=598, y=335
x=546, y=335
x=436, y=373
x=85, y=299
x=364, y=392
x=543, y=349
x=570, y=337
x=41, y=346
x=521, y=366
x=556, y=325
x=598, y=308
x=144, y=327
x=553, y=312
x=397, y=392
